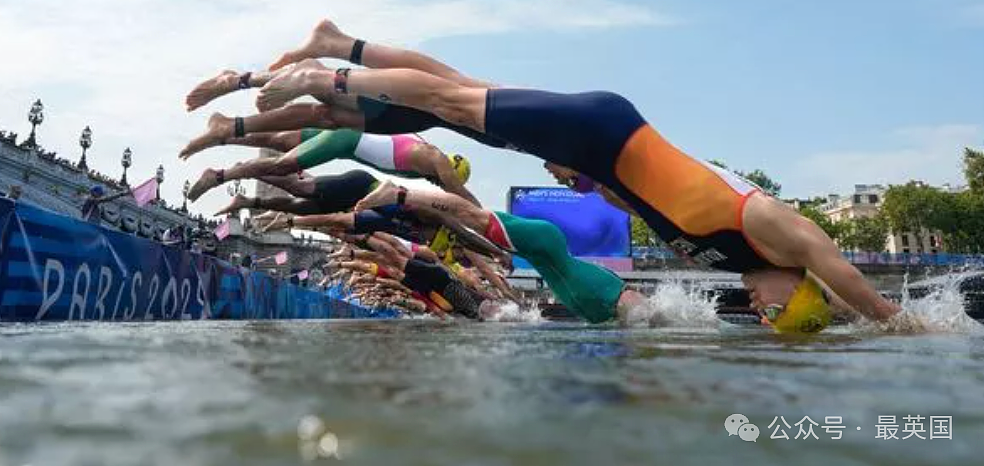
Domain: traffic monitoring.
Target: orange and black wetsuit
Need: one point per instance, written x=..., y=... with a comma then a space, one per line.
x=693, y=206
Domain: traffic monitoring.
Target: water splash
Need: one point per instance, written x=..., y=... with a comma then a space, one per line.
x=674, y=305
x=512, y=312
x=941, y=311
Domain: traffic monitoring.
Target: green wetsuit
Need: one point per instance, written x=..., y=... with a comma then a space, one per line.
x=589, y=290
x=386, y=153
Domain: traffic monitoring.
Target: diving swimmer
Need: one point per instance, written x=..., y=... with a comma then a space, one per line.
x=704, y=213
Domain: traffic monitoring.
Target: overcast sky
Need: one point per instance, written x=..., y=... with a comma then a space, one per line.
x=819, y=94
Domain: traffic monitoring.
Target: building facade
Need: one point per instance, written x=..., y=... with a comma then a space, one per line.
x=866, y=201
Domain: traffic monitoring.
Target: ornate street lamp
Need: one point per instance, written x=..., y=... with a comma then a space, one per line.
x=185, y=191
x=36, y=117
x=236, y=189
x=126, y=162
x=86, y=142
x=160, y=179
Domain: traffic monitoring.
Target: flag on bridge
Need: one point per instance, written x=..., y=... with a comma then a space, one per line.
x=146, y=192
x=281, y=258
x=223, y=230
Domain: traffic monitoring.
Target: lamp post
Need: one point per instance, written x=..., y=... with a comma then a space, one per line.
x=36, y=117
x=236, y=189
x=126, y=162
x=185, y=191
x=86, y=142
x=160, y=179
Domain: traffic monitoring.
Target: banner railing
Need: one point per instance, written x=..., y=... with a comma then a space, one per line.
x=55, y=268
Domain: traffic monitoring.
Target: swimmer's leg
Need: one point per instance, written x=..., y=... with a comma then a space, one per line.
x=224, y=83
x=282, y=123
x=291, y=205
x=230, y=81
x=452, y=102
x=328, y=41
x=294, y=184
x=255, y=168
x=319, y=148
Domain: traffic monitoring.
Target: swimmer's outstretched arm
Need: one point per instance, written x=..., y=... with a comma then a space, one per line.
x=497, y=282
x=328, y=41
x=441, y=205
x=467, y=220
x=794, y=236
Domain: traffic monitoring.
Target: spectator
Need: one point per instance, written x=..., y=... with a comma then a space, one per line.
x=92, y=207
x=15, y=192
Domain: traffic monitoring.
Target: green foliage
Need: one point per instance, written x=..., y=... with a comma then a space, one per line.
x=770, y=186
x=958, y=217
x=868, y=234
x=913, y=206
x=973, y=162
x=757, y=176
x=642, y=235
x=832, y=229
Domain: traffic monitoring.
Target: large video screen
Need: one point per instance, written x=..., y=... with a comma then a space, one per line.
x=592, y=226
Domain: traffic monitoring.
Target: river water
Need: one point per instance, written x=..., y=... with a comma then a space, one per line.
x=528, y=393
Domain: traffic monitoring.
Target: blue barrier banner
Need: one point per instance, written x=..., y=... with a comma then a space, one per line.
x=55, y=268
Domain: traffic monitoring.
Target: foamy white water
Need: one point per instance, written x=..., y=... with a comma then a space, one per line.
x=941, y=311
x=673, y=305
x=511, y=312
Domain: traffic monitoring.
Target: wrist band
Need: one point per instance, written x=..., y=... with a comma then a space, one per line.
x=244, y=80
x=341, y=80
x=356, y=56
x=401, y=196
x=240, y=127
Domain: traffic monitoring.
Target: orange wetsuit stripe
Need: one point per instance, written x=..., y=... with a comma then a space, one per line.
x=692, y=195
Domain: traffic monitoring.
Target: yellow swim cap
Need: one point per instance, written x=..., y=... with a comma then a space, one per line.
x=461, y=166
x=443, y=241
x=806, y=312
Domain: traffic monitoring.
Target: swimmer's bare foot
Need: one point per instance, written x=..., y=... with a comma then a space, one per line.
x=281, y=222
x=384, y=194
x=326, y=41
x=226, y=82
x=302, y=79
x=264, y=217
x=239, y=202
x=220, y=128
x=208, y=181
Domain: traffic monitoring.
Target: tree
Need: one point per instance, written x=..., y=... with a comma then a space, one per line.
x=832, y=229
x=914, y=206
x=973, y=164
x=642, y=235
x=868, y=234
x=768, y=185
